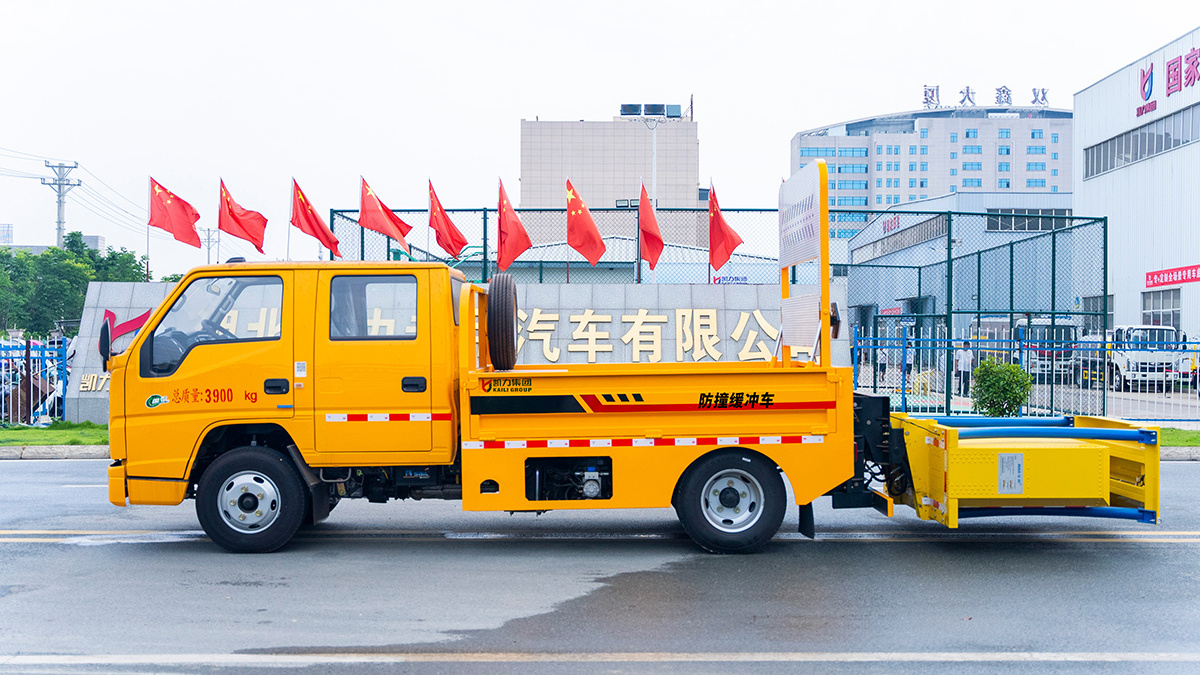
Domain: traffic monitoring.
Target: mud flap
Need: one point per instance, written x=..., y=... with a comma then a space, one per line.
x=807, y=527
x=318, y=491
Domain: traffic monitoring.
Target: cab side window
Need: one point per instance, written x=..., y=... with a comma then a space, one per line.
x=373, y=308
x=214, y=310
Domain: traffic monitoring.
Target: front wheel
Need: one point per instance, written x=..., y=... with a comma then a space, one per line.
x=251, y=500
x=732, y=502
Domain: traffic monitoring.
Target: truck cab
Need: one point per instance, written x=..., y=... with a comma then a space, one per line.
x=1145, y=355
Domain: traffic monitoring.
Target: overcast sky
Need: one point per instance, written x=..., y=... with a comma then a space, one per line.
x=402, y=92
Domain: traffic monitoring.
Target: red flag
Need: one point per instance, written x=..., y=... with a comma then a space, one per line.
x=721, y=237
x=309, y=222
x=232, y=218
x=448, y=237
x=169, y=212
x=513, y=239
x=651, y=238
x=374, y=215
x=582, y=234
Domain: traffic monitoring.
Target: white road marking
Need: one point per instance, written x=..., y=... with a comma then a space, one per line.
x=300, y=660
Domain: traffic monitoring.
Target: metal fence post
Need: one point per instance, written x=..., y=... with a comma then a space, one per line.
x=1053, y=307
x=483, y=276
x=28, y=382
x=1104, y=317
x=949, y=311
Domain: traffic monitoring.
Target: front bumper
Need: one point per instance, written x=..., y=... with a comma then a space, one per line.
x=116, y=483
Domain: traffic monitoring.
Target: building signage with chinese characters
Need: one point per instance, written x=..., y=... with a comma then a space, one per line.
x=932, y=99
x=1182, y=71
x=1176, y=275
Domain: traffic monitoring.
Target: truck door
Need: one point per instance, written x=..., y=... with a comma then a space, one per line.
x=223, y=351
x=372, y=366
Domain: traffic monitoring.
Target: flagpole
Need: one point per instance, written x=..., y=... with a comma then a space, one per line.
x=149, y=196
x=291, y=225
x=427, y=249
x=638, y=221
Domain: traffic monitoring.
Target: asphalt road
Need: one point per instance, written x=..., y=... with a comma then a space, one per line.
x=424, y=587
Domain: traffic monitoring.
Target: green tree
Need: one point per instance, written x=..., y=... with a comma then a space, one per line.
x=16, y=287
x=1000, y=388
x=173, y=278
x=59, y=286
x=112, y=265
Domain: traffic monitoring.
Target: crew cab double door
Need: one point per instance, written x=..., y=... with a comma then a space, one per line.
x=372, y=367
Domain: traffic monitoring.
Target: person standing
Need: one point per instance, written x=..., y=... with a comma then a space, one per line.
x=964, y=363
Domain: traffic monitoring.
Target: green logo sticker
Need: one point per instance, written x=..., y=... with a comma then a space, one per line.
x=156, y=400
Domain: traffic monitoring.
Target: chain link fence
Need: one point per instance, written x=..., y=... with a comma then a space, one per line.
x=684, y=259
x=1020, y=285
x=33, y=381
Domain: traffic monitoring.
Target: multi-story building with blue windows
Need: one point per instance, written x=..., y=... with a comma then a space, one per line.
x=909, y=156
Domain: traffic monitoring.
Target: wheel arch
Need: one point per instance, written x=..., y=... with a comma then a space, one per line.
x=223, y=437
x=716, y=451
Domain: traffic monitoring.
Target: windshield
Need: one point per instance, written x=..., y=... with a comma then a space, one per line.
x=1152, y=337
x=1054, y=333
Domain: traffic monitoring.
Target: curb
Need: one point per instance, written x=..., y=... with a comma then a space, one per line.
x=1168, y=454
x=54, y=452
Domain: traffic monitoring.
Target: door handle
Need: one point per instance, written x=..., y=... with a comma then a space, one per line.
x=277, y=385
x=412, y=385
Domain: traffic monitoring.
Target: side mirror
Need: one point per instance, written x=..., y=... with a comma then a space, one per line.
x=105, y=344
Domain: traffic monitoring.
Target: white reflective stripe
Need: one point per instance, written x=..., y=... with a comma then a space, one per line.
x=600, y=443
x=420, y=417
x=685, y=441
x=472, y=445
x=558, y=443
x=728, y=440
x=770, y=440
x=929, y=440
x=335, y=417
x=643, y=442
x=514, y=444
x=812, y=439
x=378, y=417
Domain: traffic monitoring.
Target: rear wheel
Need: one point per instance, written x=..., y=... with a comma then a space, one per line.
x=502, y=321
x=732, y=502
x=251, y=500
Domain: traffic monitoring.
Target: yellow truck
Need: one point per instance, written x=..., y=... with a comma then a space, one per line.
x=268, y=392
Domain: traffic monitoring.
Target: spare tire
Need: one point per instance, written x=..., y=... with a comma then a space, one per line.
x=502, y=322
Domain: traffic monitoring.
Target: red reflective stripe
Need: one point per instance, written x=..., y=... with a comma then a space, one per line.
x=580, y=443
x=397, y=417
x=622, y=442
x=706, y=441
x=442, y=417
x=535, y=444
x=793, y=439
x=356, y=417
x=493, y=445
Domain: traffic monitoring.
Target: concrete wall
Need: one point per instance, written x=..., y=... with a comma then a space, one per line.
x=87, y=389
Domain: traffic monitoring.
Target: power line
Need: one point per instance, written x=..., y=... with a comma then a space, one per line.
x=91, y=191
x=31, y=156
x=111, y=188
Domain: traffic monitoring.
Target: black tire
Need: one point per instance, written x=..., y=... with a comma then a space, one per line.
x=502, y=322
x=261, y=519
x=740, y=474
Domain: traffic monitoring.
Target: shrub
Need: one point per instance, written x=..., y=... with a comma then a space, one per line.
x=1000, y=388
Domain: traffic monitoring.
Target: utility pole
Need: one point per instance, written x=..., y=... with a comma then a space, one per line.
x=211, y=238
x=61, y=185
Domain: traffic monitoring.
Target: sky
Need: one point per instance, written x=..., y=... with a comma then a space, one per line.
x=401, y=93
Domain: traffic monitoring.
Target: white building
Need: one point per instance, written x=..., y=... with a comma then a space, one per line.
x=608, y=160
x=1137, y=160
x=903, y=157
